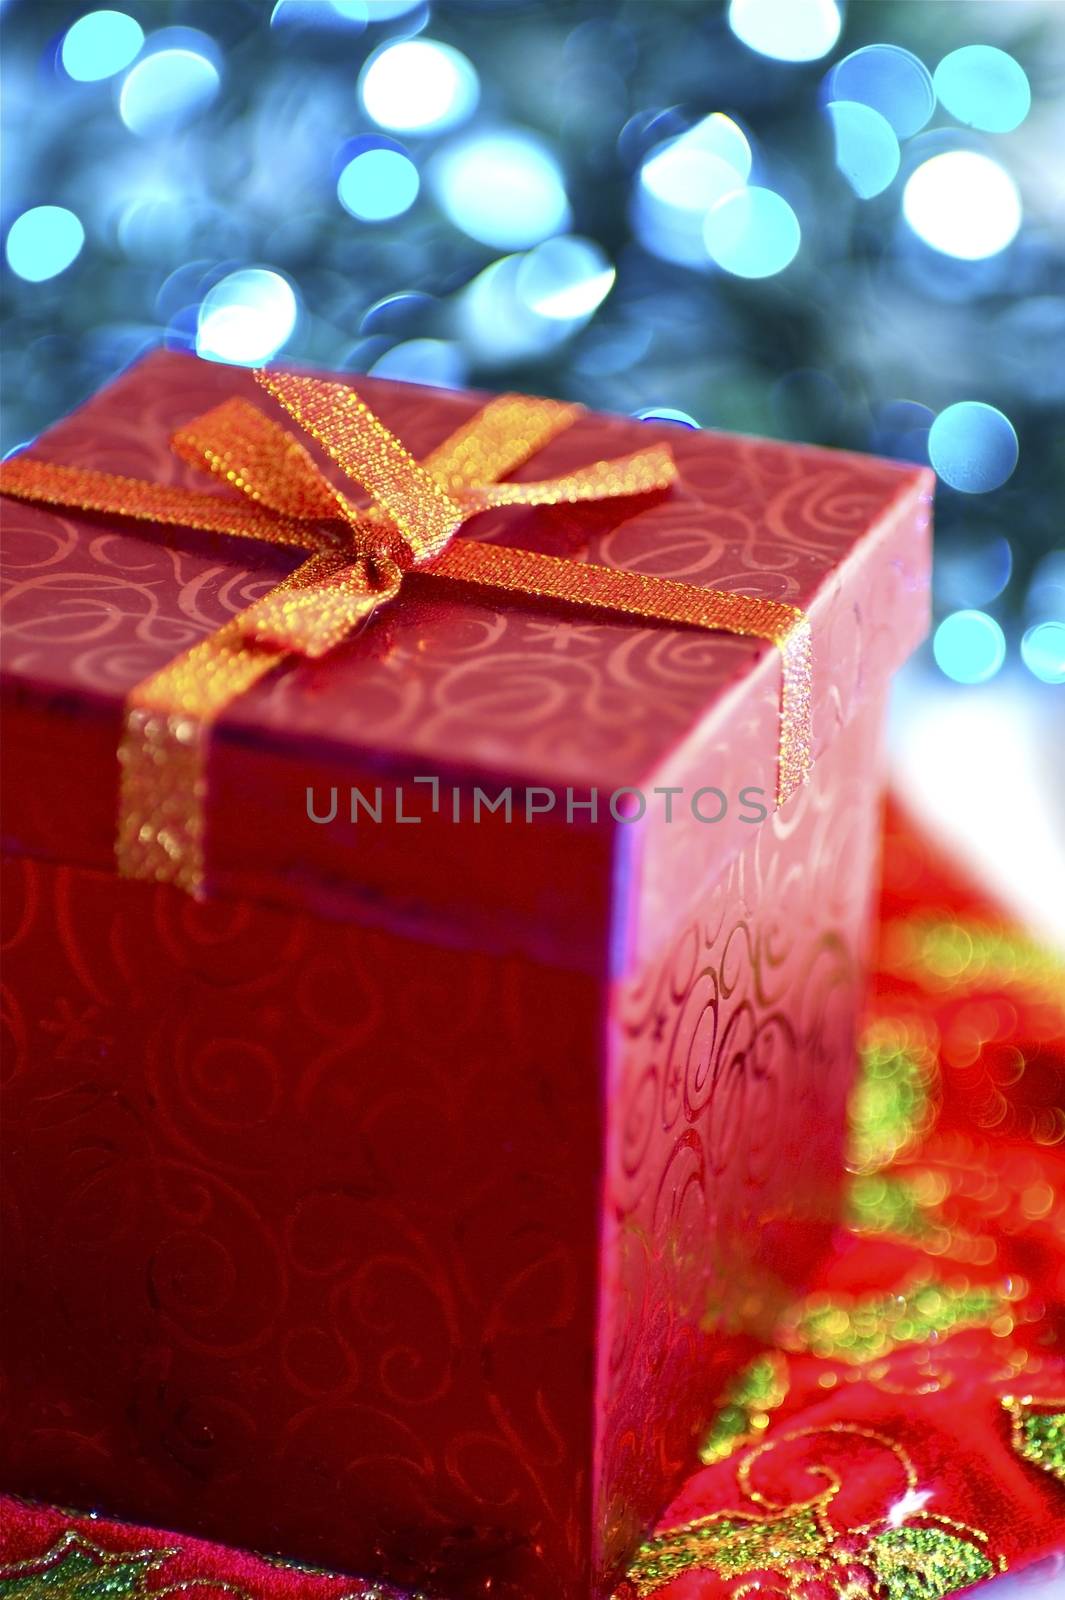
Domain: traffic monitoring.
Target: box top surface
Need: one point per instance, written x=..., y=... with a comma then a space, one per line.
x=503, y=691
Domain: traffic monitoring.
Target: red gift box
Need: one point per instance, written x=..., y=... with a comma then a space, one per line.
x=405, y=1205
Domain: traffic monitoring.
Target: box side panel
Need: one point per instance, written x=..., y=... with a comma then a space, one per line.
x=866, y=620
x=302, y=1236
x=732, y=1055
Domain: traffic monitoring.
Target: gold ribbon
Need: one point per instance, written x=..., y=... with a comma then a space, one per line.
x=358, y=557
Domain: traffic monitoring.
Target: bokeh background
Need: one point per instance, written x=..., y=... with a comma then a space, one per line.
x=842, y=223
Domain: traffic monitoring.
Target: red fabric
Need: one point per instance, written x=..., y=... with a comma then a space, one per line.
x=985, y=1012
x=37, y=1540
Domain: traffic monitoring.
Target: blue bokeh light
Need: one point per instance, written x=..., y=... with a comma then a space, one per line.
x=1046, y=592
x=969, y=646
x=309, y=14
x=681, y=179
x=167, y=89
x=984, y=88
x=396, y=313
x=891, y=80
x=1043, y=651
x=681, y=419
x=752, y=233
x=522, y=307
x=688, y=172
x=972, y=447
x=100, y=44
x=246, y=317
x=972, y=571
x=787, y=30
x=564, y=279
x=900, y=429
x=963, y=204
x=381, y=10
x=378, y=184
x=504, y=189
x=436, y=362
x=419, y=86
x=867, y=150
x=496, y=323
x=43, y=242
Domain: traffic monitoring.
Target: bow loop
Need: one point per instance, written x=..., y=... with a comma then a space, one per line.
x=420, y=516
x=255, y=455
x=643, y=472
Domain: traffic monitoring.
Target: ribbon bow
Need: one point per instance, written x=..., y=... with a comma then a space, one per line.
x=358, y=557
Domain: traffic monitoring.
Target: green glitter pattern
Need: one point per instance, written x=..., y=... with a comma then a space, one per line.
x=729, y=1544
x=1039, y=1432
x=74, y=1569
x=923, y=1563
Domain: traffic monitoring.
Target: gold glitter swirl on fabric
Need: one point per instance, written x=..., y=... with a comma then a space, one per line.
x=357, y=558
x=1037, y=1429
x=852, y=1429
x=730, y=1543
x=753, y=1394
x=908, y=1554
x=76, y=1569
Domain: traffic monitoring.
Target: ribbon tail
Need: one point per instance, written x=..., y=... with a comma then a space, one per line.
x=163, y=755
x=48, y=484
x=644, y=472
x=165, y=740
x=655, y=599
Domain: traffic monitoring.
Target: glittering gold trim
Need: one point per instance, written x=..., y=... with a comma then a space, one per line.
x=1037, y=1431
x=73, y=1565
x=640, y=594
x=908, y=1554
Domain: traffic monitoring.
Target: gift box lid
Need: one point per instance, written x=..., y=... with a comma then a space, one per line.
x=456, y=686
